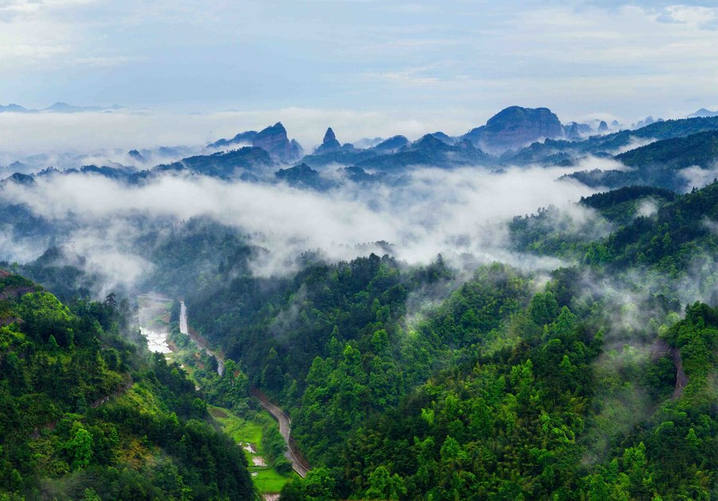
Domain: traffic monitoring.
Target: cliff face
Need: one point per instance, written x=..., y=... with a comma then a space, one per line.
x=515, y=127
x=274, y=141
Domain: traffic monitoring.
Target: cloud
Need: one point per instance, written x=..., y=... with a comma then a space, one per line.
x=460, y=214
x=699, y=17
x=698, y=177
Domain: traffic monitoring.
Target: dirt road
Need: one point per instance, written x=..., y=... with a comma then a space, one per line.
x=299, y=464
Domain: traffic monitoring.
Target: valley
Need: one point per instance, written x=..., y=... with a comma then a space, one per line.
x=154, y=323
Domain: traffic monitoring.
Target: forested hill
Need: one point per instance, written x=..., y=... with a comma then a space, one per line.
x=546, y=403
x=86, y=415
x=558, y=415
x=595, y=383
x=649, y=227
x=697, y=149
x=677, y=233
x=505, y=389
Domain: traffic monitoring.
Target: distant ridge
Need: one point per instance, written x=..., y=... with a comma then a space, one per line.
x=58, y=107
x=703, y=112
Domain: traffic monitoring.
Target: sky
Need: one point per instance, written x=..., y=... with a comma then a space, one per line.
x=447, y=64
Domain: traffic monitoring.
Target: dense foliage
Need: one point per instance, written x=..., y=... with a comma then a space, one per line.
x=332, y=345
x=83, y=413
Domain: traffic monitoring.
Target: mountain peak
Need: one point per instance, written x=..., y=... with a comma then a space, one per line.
x=703, y=112
x=329, y=143
x=274, y=141
x=514, y=127
x=329, y=137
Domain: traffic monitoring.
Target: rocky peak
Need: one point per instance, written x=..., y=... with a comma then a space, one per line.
x=330, y=139
x=514, y=127
x=329, y=143
x=274, y=141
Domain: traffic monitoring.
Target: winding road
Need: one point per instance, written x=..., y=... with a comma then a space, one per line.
x=299, y=464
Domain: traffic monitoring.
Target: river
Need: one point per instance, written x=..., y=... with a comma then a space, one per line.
x=153, y=317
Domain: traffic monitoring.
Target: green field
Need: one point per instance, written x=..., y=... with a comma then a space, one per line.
x=249, y=431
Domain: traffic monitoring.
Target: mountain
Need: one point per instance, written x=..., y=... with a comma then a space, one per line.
x=515, y=127
x=246, y=163
x=329, y=143
x=428, y=151
x=660, y=164
x=441, y=136
x=623, y=205
x=680, y=230
x=359, y=175
x=223, y=164
x=646, y=121
x=136, y=155
x=303, y=176
x=392, y=144
x=518, y=374
x=575, y=130
x=243, y=138
x=703, y=112
x=274, y=141
x=61, y=107
x=13, y=108
x=607, y=145
x=676, y=153
x=19, y=178
x=58, y=107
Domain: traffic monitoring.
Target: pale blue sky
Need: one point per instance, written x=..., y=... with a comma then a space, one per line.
x=447, y=58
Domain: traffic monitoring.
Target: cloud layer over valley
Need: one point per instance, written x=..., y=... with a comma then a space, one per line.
x=461, y=214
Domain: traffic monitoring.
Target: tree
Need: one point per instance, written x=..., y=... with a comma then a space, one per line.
x=79, y=447
x=382, y=485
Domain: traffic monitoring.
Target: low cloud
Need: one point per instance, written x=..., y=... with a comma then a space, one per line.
x=461, y=214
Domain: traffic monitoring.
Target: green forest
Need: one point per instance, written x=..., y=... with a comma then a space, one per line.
x=512, y=385
x=87, y=414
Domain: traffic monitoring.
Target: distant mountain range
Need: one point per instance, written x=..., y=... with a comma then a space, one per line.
x=509, y=130
x=58, y=107
x=516, y=136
